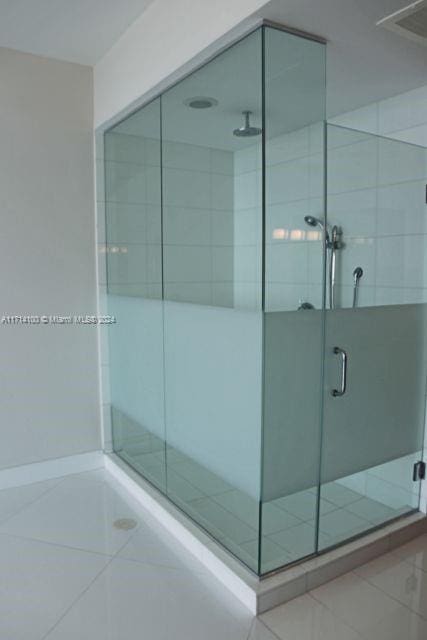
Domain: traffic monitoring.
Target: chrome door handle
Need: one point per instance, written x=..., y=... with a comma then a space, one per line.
x=344, y=360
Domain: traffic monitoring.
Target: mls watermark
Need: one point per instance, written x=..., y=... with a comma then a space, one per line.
x=57, y=319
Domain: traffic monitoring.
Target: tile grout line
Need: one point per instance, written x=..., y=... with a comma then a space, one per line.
x=371, y=584
x=86, y=589
x=389, y=595
x=35, y=500
x=78, y=597
x=55, y=544
x=265, y=625
x=335, y=615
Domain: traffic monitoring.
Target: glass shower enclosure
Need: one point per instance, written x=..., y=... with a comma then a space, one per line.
x=268, y=276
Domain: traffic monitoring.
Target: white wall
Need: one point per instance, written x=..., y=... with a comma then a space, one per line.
x=49, y=402
x=166, y=37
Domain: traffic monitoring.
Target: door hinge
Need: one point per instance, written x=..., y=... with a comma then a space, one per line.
x=419, y=471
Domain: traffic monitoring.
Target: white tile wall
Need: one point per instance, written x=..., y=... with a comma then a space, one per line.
x=248, y=227
x=197, y=220
x=294, y=186
x=388, y=214
x=376, y=193
x=198, y=224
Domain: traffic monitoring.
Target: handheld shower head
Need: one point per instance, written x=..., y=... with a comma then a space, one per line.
x=315, y=222
x=357, y=274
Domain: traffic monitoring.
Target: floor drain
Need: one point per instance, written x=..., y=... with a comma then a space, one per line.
x=125, y=524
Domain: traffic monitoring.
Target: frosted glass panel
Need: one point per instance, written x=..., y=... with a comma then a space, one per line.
x=373, y=434
x=134, y=291
x=212, y=226
x=294, y=263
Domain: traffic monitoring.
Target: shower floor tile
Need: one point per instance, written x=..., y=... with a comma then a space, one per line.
x=209, y=483
x=338, y=494
x=371, y=510
x=298, y=541
x=341, y=524
x=248, y=510
x=271, y=554
x=226, y=524
x=303, y=505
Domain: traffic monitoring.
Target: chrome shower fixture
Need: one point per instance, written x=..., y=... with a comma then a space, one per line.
x=247, y=131
x=315, y=222
x=357, y=274
x=332, y=244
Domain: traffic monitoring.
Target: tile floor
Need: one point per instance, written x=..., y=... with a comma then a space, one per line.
x=68, y=573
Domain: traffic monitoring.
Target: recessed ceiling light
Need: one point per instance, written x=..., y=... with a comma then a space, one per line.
x=200, y=102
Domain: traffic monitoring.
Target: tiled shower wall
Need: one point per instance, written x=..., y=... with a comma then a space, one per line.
x=248, y=227
x=376, y=194
x=294, y=185
x=197, y=220
x=198, y=224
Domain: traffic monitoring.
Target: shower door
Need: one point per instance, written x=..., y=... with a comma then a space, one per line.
x=375, y=342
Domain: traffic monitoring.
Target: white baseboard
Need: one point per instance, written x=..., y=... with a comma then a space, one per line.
x=48, y=469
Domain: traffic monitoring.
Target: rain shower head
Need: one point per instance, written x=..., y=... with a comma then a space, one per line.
x=247, y=131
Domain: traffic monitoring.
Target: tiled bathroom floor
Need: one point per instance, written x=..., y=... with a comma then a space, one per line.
x=69, y=573
x=288, y=523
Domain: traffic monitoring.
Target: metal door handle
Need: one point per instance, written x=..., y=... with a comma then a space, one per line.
x=344, y=359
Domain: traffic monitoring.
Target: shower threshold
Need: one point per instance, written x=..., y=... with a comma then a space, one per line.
x=259, y=594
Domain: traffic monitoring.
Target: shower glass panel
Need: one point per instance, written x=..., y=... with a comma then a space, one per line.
x=212, y=230
x=293, y=322
x=373, y=432
x=225, y=274
x=134, y=291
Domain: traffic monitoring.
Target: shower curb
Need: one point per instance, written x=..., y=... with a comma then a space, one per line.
x=261, y=594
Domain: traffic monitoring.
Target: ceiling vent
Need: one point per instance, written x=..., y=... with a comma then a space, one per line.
x=410, y=22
